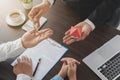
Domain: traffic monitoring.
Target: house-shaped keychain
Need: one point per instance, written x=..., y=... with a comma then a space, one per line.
x=75, y=32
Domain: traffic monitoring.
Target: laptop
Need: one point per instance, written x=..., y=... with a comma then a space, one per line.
x=105, y=61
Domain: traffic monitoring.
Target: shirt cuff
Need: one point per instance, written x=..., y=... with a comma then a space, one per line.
x=14, y=48
x=90, y=23
x=57, y=77
x=51, y=2
x=23, y=77
x=19, y=42
x=19, y=45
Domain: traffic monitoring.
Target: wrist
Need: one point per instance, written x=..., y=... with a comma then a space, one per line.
x=73, y=78
x=88, y=26
x=23, y=43
x=46, y=2
x=59, y=74
x=90, y=23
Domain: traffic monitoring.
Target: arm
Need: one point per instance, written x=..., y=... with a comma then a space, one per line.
x=28, y=40
x=11, y=49
x=62, y=73
x=57, y=77
x=104, y=11
x=100, y=15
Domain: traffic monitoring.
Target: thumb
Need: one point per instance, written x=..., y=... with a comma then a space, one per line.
x=85, y=31
x=33, y=30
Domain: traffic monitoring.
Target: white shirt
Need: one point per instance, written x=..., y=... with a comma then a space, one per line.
x=13, y=49
x=87, y=20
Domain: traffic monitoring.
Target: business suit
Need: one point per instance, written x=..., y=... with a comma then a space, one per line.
x=98, y=11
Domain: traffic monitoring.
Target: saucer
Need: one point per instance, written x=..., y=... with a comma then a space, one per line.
x=18, y=23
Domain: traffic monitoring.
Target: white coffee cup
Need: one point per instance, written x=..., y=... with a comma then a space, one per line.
x=15, y=16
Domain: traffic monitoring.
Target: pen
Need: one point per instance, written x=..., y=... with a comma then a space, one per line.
x=36, y=67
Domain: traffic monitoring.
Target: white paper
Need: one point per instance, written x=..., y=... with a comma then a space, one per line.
x=49, y=51
x=29, y=25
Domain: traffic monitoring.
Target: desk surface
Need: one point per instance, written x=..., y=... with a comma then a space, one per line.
x=60, y=18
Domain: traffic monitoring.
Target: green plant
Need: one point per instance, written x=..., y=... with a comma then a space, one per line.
x=26, y=1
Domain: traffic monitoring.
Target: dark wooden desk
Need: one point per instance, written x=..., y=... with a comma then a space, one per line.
x=60, y=18
x=8, y=33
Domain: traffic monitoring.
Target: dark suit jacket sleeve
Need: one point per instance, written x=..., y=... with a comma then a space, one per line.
x=104, y=11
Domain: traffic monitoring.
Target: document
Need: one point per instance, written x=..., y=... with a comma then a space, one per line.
x=50, y=53
x=29, y=25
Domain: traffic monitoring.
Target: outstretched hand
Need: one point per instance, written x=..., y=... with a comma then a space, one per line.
x=86, y=29
x=33, y=37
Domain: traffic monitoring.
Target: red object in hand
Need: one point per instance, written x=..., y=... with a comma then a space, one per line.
x=76, y=32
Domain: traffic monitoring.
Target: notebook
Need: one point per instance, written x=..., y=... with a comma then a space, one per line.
x=50, y=53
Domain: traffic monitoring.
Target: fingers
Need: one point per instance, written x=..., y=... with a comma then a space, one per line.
x=33, y=30
x=35, y=15
x=67, y=32
x=38, y=15
x=64, y=63
x=36, y=24
x=37, y=18
x=24, y=59
x=83, y=36
x=44, y=31
x=18, y=60
x=86, y=29
x=68, y=39
x=72, y=65
x=44, y=34
x=67, y=60
x=32, y=13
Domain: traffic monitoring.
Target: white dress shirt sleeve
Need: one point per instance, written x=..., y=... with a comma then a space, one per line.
x=23, y=77
x=90, y=23
x=11, y=49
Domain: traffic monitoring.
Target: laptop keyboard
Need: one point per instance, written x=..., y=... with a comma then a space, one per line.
x=111, y=68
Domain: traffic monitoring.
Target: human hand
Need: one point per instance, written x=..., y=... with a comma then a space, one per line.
x=23, y=66
x=72, y=67
x=68, y=60
x=86, y=29
x=33, y=37
x=63, y=71
x=38, y=11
